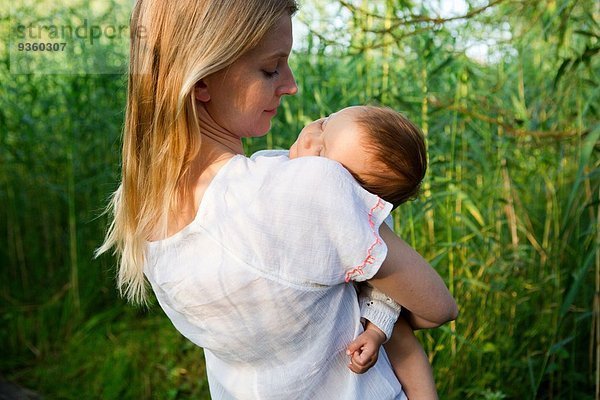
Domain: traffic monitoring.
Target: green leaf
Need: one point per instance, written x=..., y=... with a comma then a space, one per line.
x=586, y=151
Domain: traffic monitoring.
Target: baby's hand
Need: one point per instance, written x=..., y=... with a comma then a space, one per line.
x=364, y=350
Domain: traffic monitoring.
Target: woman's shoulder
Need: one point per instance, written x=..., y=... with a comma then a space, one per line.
x=318, y=180
x=315, y=173
x=261, y=185
x=310, y=211
x=277, y=215
x=273, y=171
x=257, y=187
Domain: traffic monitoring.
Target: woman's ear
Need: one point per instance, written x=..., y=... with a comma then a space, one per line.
x=201, y=92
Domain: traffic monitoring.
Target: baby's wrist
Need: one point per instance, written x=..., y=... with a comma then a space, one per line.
x=376, y=332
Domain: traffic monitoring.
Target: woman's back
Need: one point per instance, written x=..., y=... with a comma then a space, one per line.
x=274, y=319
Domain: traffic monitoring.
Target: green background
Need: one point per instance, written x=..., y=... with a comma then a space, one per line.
x=508, y=215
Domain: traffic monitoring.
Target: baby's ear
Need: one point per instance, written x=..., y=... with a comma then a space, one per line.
x=201, y=91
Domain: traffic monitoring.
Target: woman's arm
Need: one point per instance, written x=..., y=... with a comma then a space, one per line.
x=407, y=278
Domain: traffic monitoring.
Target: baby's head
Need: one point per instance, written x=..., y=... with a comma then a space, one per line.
x=381, y=148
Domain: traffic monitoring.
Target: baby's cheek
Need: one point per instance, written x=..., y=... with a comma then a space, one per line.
x=307, y=144
x=294, y=150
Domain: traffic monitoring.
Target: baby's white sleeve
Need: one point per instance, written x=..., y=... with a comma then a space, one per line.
x=378, y=308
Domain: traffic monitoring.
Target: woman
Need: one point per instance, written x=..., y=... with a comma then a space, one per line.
x=249, y=259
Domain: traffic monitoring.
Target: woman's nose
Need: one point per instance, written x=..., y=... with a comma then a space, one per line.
x=293, y=89
x=288, y=85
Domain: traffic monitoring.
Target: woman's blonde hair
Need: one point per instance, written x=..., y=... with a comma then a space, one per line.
x=174, y=44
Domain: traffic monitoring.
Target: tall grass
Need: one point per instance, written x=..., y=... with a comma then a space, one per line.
x=508, y=216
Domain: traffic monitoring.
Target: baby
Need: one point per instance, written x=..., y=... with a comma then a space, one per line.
x=386, y=154
x=382, y=149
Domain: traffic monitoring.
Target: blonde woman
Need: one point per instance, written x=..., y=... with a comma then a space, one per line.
x=249, y=259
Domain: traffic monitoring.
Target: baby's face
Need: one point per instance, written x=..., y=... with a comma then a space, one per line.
x=337, y=137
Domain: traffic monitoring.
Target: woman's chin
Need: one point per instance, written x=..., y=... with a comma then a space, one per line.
x=259, y=131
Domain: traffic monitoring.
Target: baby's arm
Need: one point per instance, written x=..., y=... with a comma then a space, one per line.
x=408, y=359
x=380, y=313
x=378, y=308
x=410, y=363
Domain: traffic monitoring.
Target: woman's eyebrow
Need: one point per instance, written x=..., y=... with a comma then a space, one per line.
x=276, y=55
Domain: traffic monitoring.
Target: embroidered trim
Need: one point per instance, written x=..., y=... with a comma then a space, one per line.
x=369, y=259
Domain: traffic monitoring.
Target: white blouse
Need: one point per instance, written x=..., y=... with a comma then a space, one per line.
x=261, y=280
x=375, y=306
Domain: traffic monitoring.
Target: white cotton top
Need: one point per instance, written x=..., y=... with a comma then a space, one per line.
x=375, y=306
x=260, y=280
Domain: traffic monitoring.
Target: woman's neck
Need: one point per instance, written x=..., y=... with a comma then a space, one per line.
x=216, y=140
x=217, y=146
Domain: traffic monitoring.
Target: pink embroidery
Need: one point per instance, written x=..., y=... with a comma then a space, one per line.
x=369, y=259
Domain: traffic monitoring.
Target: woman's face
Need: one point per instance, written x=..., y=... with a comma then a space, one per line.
x=244, y=97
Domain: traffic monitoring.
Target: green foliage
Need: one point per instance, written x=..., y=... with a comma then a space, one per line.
x=508, y=215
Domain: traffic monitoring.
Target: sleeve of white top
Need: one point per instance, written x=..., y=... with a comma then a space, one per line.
x=380, y=309
x=323, y=227
x=269, y=153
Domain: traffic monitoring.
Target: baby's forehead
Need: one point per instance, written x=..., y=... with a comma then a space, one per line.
x=352, y=110
x=347, y=113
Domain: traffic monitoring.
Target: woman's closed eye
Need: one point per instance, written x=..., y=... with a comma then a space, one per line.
x=270, y=73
